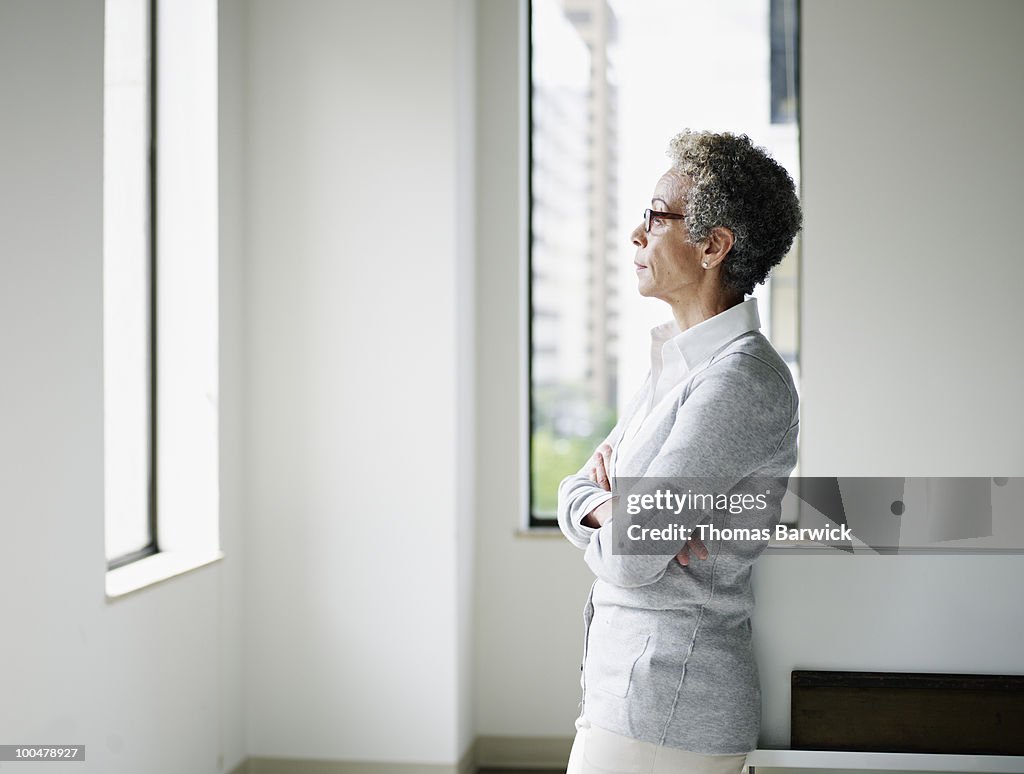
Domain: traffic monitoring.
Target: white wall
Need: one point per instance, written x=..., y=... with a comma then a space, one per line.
x=146, y=682
x=912, y=115
x=911, y=359
x=357, y=355
x=911, y=356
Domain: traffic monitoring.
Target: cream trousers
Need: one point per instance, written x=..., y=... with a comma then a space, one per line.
x=597, y=751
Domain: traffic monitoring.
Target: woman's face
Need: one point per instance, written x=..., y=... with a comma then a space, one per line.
x=667, y=264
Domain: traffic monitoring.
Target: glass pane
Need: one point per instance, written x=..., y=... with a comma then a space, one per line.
x=126, y=277
x=612, y=82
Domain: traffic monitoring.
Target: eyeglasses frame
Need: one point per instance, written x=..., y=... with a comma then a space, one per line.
x=650, y=214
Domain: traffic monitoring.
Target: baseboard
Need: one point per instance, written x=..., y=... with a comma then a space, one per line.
x=500, y=752
x=305, y=766
x=468, y=763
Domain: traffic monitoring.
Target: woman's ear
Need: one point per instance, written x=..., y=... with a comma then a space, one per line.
x=717, y=246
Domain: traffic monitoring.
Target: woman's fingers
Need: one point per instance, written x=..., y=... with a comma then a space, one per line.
x=699, y=549
x=599, y=467
x=602, y=469
x=600, y=474
x=604, y=453
x=683, y=557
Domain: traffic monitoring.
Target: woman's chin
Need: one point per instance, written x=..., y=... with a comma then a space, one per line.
x=644, y=287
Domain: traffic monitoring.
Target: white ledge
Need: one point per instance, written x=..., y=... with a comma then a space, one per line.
x=156, y=568
x=885, y=761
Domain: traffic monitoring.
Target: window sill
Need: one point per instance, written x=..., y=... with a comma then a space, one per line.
x=156, y=568
x=539, y=532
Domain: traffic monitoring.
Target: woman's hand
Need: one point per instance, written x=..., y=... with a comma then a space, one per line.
x=698, y=548
x=600, y=463
x=597, y=517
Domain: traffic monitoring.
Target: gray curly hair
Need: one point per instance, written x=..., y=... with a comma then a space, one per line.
x=736, y=184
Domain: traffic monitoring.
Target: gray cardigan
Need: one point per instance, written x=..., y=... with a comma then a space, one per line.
x=667, y=654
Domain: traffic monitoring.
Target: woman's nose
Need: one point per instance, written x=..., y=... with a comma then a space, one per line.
x=639, y=237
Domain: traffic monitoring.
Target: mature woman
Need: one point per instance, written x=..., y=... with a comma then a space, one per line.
x=669, y=677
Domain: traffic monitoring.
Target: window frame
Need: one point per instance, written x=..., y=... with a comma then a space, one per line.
x=184, y=293
x=152, y=547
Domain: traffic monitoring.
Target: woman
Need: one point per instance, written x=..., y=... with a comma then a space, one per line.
x=669, y=677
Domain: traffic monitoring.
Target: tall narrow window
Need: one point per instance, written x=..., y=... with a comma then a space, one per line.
x=611, y=81
x=161, y=350
x=129, y=277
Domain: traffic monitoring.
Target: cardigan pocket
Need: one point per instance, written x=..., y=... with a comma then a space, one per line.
x=611, y=655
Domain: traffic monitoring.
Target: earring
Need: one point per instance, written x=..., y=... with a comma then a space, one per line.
x=705, y=264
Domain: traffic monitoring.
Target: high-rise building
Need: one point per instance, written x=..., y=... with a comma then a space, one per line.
x=597, y=25
x=574, y=233
x=560, y=216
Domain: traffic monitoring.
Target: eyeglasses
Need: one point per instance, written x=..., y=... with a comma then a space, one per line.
x=649, y=214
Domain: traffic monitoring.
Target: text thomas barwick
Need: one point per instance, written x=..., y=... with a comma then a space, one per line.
x=678, y=533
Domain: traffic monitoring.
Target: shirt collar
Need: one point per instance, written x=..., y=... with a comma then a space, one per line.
x=699, y=342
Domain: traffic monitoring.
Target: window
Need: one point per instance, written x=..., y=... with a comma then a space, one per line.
x=160, y=290
x=129, y=277
x=599, y=126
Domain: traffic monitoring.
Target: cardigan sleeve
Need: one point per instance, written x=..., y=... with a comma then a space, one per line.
x=731, y=424
x=578, y=496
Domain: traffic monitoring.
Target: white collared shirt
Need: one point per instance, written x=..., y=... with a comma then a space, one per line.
x=675, y=355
